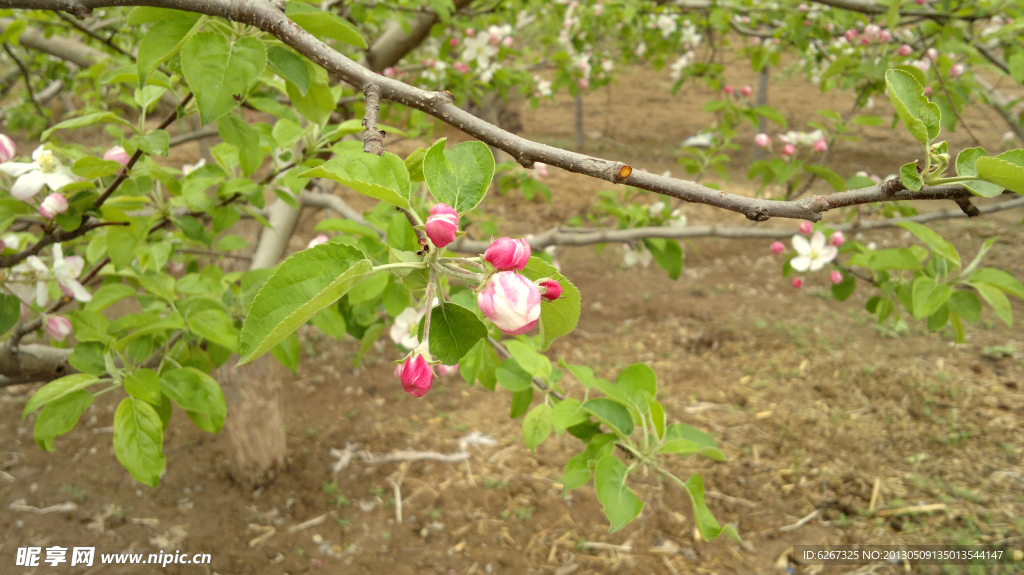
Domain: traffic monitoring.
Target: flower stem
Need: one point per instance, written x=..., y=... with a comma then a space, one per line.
x=458, y=272
x=414, y=265
x=429, y=298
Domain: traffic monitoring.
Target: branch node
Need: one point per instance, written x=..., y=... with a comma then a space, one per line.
x=623, y=172
x=892, y=185
x=757, y=213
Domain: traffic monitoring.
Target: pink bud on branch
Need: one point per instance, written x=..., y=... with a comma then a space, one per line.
x=511, y=301
x=798, y=283
x=416, y=375
x=53, y=204
x=836, y=277
x=762, y=140
x=778, y=247
x=442, y=225
x=837, y=239
x=7, y=148
x=788, y=150
x=746, y=91
x=117, y=154
x=820, y=145
x=508, y=254
x=552, y=290
x=58, y=327
x=805, y=228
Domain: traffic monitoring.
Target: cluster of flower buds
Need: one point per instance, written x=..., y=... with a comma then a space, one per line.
x=442, y=225
x=509, y=299
x=814, y=254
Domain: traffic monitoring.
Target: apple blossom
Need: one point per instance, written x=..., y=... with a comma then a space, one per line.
x=507, y=42
x=7, y=148
x=507, y=254
x=453, y=42
x=58, y=327
x=53, y=204
x=820, y=145
x=416, y=375
x=813, y=255
x=932, y=54
x=805, y=228
x=778, y=247
x=390, y=71
x=117, y=154
x=850, y=35
x=746, y=91
x=461, y=67
x=727, y=90
x=470, y=32
x=957, y=70
x=927, y=90
x=905, y=50
x=45, y=170
x=836, y=277
x=641, y=255
x=447, y=370
x=542, y=169
x=762, y=140
x=552, y=290
x=583, y=83
x=320, y=239
x=598, y=9
x=404, y=329
x=511, y=301
x=187, y=169
x=837, y=239
x=798, y=282
x=442, y=225
x=788, y=150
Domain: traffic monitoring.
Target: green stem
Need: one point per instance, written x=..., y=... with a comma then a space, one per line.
x=414, y=265
x=952, y=180
x=429, y=302
x=458, y=272
x=102, y=391
x=475, y=262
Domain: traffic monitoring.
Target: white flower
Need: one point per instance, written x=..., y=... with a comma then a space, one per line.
x=677, y=219
x=189, y=168
x=690, y=37
x=44, y=171
x=403, y=331
x=656, y=208
x=479, y=48
x=543, y=87
x=681, y=63
x=66, y=271
x=607, y=65
x=640, y=50
x=814, y=254
x=631, y=257
x=667, y=25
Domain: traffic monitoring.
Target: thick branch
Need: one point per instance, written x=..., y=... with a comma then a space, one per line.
x=33, y=362
x=75, y=52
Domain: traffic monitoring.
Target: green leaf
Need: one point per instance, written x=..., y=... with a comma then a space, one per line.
x=381, y=177
x=324, y=25
x=414, y=163
x=921, y=117
x=928, y=296
x=965, y=304
x=302, y=285
x=844, y=289
x=143, y=384
x=194, y=390
x=772, y=114
x=218, y=70
x=657, y=411
x=145, y=15
x=289, y=65
x=612, y=413
x=513, y=377
x=164, y=39
x=521, y=401
x=997, y=299
x=667, y=254
x=316, y=104
x=583, y=374
x=369, y=338
x=215, y=326
x=577, y=468
x=528, y=358
x=287, y=352
x=480, y=364
x=154, y=142
x=833, y=179
x=85, y=120
x=965, y=166
x=1001, y=173
x=688, y=440
x=894, y=259
x=867, y=120
x=93, y=167
x=60, y=416
x=370, y=288
x=331, y=322
x=10, y=311
x=454, y=330
x=910, y=177
x=567, y=413
x=999, y=279
x=237, y=132
x=558, y=317
x=537, y=426
x=139, y=440
x=460, y=176
x=936, y=242
x=620, y=504
x=57, y=389
x=706, y=523
x=638, y=379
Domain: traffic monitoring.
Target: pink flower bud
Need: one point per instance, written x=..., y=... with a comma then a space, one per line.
x=320, y=239
x=836, y=277
x=957, y=70
x=820, y=145
x=416, y=375
x=905, y=50
x=837, y=239
x=470, y=32
x=598, y=9
x=58, y=327
x=118, y=155
x=507, y=254
x=850, y=35
x=788, y=150
x=448, y=370
x=807, y=22
x=453, y=42
x=542, y=170
x=746, y=91
x=584, y=83
x=390, y=71
x=778, y=248
x=762, y=140
x=932, y=54
x=461, y=67
x=805, y=228
x=552, y=290
x=511, y=301
x=798, y=283
x=442, y=225
x=885, y=36
x=494, y=39
x=7, y=148
x=507, y=42
x=53, y=204
x=927, y=90
x=727, y=89
x=920, y=2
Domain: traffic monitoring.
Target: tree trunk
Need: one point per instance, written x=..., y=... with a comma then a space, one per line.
x=255, y=423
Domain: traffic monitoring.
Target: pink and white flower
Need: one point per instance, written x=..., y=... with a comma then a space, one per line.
x=320, y=239
x=58, y=327
x=511, y=301
x=416, y=375
x=45, y=171
x=7, y=148
x=813, y=255
x=53, y=204
x=117, y=154
x=508, y=254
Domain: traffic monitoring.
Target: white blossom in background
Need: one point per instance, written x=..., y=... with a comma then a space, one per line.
x=187, y=169
x=403, y=331
x=690, y=37
x=543, y=87
x=656, y=208
x=680, y=64
x=479, y=48
x=631, y=257
x=676, y=219
x=813, y=255
x=802, y=138
x=667, y=24
x=45, y=171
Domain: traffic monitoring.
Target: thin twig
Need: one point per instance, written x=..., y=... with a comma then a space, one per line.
x=108, y=41
x=28, y=81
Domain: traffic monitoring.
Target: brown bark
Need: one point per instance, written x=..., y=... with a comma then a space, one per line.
x=254, y=427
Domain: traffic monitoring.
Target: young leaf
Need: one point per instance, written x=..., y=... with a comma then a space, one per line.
x=287, y=352
x=997, y=299
x=214, y=325
x=521, y=401
x=460, y=176
x=218, y=70
x=706, y=523
x=289, y=65
x=57, y=389
x=513, y=377
x=567, y=413
x=480, y=364
x=528, y=358
x=194, y=390
x=921, y=117
x=965, y=166
x=928, y=296
x=910, y=177
x=302, y=285
x=688, y=440
x=1001, y=173
x=558, y=317
x=60, y=416
x=237, y=132
x=10, y=311
x=381, y=177
x=936, y=242
x=620, y=504
x=324, y=25
x=143, y=384
x=577, y=469
x=537, y=426
x=163, y=40
x=139, y=440
x=999, y=279
x=613, y=413
x=454, y=330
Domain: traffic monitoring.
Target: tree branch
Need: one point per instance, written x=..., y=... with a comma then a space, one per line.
x=33, y=362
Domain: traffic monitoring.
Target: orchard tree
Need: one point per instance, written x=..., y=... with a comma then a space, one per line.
x=290, y=89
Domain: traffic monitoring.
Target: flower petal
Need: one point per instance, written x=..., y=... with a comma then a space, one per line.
x=59, y=178
x=817, y=241
x=817, y=264
x=16, y=169
x=800, y=263
x=828, y=253
x=28, y=185
x=81, y=294
x=800, y=245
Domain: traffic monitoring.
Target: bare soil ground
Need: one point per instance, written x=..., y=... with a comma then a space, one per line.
x=813, y=404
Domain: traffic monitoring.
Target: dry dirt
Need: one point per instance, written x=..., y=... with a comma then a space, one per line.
x=813, y=404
